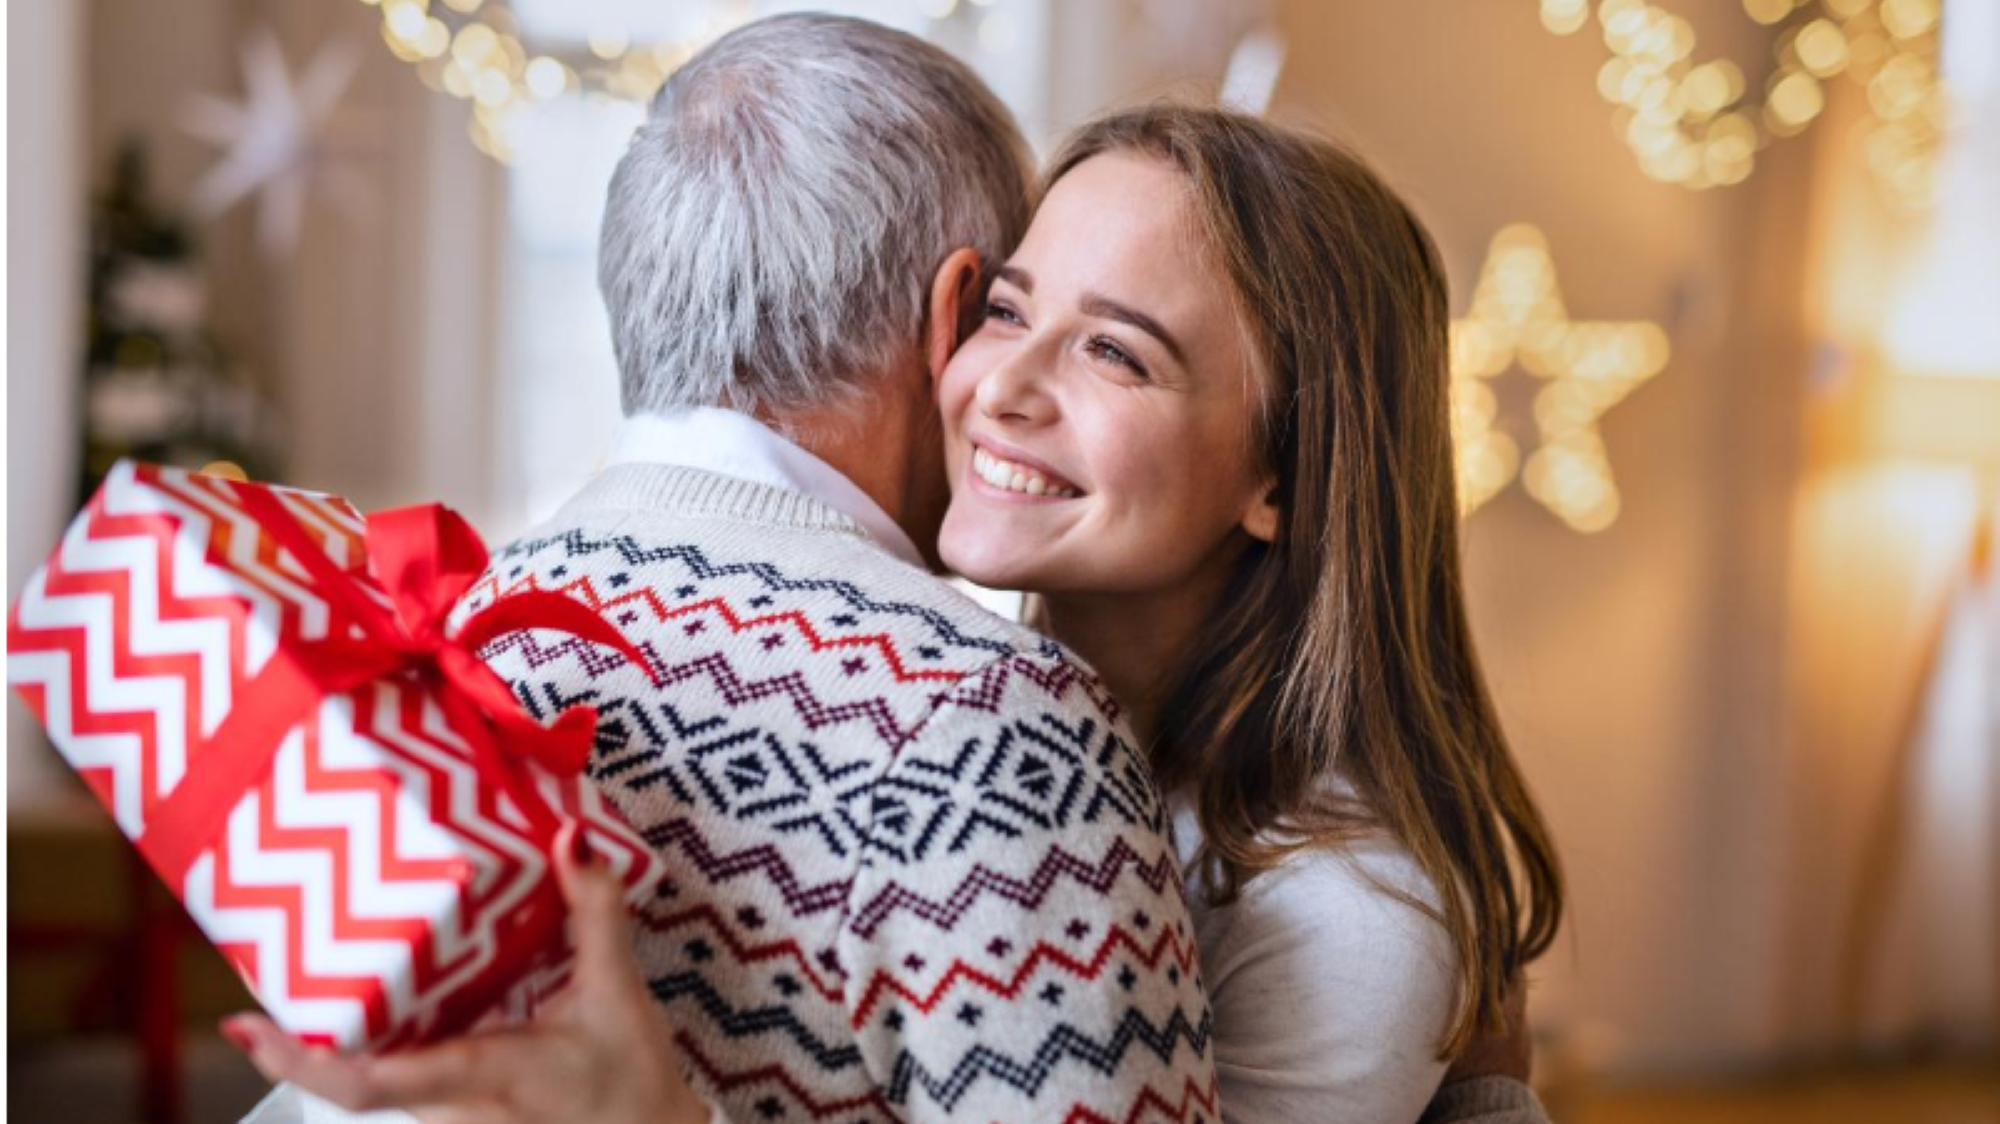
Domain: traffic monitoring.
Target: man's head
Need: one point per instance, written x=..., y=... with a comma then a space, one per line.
x=772, y=234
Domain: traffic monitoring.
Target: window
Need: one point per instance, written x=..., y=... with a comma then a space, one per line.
x=558, y=407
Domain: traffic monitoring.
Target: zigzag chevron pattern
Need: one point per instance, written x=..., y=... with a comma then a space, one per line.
x=745, y=1022
x=918, y=870
x=695, y=563
x=716, y=671
x=1159, y=876
x=1063, y=1044
x=802, y=898
x=719, y=609
x=358, y=887
x=1196, y=1104
x=1169, y=949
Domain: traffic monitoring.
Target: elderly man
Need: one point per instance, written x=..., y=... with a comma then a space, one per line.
x=920, y=872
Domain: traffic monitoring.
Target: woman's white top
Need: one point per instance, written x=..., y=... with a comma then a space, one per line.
x=1330, y=996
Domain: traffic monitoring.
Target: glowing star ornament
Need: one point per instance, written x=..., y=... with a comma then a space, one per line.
x=281, y=136
x=1587, y=367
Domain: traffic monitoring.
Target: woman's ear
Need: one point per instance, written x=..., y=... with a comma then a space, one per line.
x=953, y=292
x=1261, y=521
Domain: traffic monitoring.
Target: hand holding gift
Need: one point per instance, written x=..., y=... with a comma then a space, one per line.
x=601, y=1051
x=259, y=687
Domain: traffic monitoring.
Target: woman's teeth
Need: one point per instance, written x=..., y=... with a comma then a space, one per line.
x=1016, y=478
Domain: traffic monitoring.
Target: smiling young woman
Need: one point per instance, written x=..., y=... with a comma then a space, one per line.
x=1206, y=422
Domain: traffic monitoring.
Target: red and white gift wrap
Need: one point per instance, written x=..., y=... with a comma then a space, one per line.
x=256, y=683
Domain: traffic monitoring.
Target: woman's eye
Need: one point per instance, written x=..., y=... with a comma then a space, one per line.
x=1101, y=347
x=997, y=311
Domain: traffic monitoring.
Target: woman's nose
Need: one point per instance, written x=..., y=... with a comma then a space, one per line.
x=1015, y=390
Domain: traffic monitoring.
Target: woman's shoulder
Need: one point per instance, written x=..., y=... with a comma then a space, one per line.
x=1372, y=868
x=1366, y=903
x=1327, y=982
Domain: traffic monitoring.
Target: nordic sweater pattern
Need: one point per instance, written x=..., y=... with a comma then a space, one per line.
x=918, y=871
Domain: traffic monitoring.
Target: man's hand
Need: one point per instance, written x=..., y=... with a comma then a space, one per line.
x=1508, y=1053
x=602, y=1051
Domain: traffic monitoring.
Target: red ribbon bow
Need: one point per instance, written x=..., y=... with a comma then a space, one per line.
x=425, y=558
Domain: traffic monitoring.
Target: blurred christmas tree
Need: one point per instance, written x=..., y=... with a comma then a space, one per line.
x=157, y=386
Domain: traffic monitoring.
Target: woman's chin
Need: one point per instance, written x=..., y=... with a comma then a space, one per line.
x=985, y=572
x=984, y=562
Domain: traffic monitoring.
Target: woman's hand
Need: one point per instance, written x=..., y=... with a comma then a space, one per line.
x=601, y=1051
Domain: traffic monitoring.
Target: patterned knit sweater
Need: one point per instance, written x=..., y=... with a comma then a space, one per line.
x=918, y=870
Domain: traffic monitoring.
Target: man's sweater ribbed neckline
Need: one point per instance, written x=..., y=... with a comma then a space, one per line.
x=680, y=491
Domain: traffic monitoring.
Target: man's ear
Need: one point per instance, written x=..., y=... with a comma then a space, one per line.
x=1261, y=521
x=953, y=292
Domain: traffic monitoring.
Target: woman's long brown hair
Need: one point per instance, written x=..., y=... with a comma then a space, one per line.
x=1344, y=645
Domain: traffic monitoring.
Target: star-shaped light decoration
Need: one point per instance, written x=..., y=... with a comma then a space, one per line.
x=1517, y=316
x=278, y=138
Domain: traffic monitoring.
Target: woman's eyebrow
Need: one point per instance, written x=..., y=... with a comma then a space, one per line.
x=1097, y=304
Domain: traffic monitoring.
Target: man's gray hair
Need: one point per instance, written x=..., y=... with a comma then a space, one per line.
x=771, y=234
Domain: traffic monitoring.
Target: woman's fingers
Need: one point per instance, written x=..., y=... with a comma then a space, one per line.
x=605, y=1023
x=477, y=1072
x=280, y=1057
x=599, y=927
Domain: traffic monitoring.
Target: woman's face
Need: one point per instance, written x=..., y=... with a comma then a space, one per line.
x=1098, y=423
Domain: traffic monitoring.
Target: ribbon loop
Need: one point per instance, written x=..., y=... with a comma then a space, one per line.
x=425, y=558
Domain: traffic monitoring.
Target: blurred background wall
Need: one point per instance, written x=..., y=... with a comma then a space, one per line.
x=1761, y=705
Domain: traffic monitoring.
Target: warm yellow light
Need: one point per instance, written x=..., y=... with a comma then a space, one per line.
x=434, y=40
x=1821, y=47
x=1565, y=17
x=1907, y=19
x=608, y=43
x=474, y=44
x=1795, y=100
x=1663, y=100
x=1710, y=86
x=405, y=19
x=456, y=81
x=491, y=89
x=546, y=78
x=227, y=470
x=1768, y=11
x=1517, y=317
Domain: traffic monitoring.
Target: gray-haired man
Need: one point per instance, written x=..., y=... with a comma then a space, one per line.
x=919, y=871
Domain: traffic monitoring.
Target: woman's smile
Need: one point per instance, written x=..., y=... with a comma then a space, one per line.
x=1014, y=476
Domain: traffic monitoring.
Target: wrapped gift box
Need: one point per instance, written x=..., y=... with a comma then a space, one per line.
x=255, y=682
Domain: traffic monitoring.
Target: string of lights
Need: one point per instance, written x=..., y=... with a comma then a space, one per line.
x=475, y=50
x=1697, y=124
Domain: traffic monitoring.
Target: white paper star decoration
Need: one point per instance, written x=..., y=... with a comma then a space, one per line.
x=1517, y=316
x=278, y=139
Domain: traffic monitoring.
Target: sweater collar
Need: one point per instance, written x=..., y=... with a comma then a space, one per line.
x=734, y=444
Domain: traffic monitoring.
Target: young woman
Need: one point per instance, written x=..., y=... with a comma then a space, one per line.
x=1205, y=422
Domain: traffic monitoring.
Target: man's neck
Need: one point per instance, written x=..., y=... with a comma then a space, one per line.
x=888, y=453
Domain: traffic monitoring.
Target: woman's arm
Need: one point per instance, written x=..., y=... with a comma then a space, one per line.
x=1330, y=995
